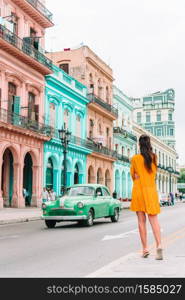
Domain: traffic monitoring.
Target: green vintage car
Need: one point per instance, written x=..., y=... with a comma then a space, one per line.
x=82, y=203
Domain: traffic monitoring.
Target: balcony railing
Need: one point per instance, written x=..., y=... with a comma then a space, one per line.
x=125, y=133
x=93, y=98
x=41, y=8
x=24, y=46
x=25, y=123
x=122, y=158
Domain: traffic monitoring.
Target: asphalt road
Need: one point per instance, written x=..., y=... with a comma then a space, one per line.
x=69, y=250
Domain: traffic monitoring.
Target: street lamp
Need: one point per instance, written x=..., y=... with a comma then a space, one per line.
x=64, y=136
x=170, y=170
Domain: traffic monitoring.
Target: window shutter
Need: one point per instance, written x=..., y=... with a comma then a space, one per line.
x=16, y=109
x=36, y=109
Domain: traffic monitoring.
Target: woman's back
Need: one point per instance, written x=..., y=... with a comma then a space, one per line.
x=146, y=178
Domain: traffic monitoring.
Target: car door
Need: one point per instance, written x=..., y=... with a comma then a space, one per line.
x=100, y=206
x=108, y=200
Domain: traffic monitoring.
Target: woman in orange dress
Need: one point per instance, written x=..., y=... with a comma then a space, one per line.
x=144, y=193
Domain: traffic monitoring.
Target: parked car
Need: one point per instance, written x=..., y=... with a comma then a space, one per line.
x=164, y=199
x=82, y=203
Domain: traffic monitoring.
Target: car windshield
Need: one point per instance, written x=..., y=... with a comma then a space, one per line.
x=80, y=191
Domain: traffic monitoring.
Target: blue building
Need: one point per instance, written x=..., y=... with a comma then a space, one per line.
x=65, y=106
x=125, y=143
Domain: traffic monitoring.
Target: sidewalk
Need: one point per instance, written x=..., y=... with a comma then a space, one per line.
x=17, y=215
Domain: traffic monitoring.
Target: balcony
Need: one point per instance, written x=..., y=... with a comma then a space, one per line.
x=122, y=158
x=125, y=133
x=108, y=107
x=25, y=123
x=36, y=10
x=24, y=51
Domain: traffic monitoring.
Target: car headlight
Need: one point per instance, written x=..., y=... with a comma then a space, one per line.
x=43, y=206
x=80, y=204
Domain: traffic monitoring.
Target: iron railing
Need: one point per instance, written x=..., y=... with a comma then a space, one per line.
x=125, y=133
x=122, y=158
x=25, y=123
x=24, y=46
x=93, y=98
x=41, y=8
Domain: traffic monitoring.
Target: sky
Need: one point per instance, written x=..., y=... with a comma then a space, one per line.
x=143, y=41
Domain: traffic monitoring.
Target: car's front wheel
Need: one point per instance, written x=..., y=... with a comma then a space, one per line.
x=50, y=223
x=90, y=220
x=115, y=217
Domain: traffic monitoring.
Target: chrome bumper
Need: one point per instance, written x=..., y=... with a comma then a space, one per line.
x=64, y=218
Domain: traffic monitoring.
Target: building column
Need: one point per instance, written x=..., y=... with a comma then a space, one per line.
x=17, y=198
x=81, y=176
x=55, y=181
x=36, y=187
x=1, y=198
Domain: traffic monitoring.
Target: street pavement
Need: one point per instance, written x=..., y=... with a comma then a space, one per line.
x=29, y=249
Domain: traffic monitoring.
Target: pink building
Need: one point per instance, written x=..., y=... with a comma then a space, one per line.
x=92, y=71
x=23, y=65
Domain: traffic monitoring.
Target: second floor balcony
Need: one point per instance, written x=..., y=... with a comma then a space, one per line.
x=37, y=10
x=125, y=133
x=113, y=111
x=24, y=51
x=25, y=123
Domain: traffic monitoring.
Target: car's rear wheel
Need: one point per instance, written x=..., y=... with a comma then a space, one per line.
x=50, y=223
x=90, y=220
x=115, y=217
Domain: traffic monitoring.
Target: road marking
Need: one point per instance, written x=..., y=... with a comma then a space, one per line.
x=119, y=236
x=124, y=235
x=9, y=237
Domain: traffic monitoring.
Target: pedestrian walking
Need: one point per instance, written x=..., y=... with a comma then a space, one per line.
x=145, y=200
x=52, y=195
x=45, y=195
x=172, y=198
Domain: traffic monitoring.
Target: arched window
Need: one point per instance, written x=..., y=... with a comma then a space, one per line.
x=66, y=118
x=158, y=116
x=99, y=88
x=128, y=152
x=91, y=84
x=107, y=94
x=52, y=113
x=64, y=67
x=78, y=126
x=91, y=129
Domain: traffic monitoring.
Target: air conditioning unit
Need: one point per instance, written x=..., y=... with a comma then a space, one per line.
x=82, y=76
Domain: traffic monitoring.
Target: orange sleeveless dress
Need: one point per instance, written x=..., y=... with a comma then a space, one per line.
x=144, y=192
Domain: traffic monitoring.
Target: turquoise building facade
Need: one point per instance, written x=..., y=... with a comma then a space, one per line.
x=125, y=144
x=65, y=106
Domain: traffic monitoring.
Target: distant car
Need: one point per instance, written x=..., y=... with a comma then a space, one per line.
x=164, y=199
x=82, y=203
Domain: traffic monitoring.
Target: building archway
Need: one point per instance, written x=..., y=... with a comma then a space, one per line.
x=107, y=179
x=129, y=185
x=99, y=176
x=27, y=179
x=76, y=174
x=117, y=183
x=91, y=177
x=7, y=177
x=49, y=174
x=123, y=185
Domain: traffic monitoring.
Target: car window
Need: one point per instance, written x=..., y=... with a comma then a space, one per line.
x=105, y=192
x=80, y=191
x=99, y=190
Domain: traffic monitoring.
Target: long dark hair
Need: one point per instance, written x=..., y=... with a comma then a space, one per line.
x=147, y=152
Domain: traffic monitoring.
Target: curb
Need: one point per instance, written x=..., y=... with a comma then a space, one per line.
x=19, y=220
